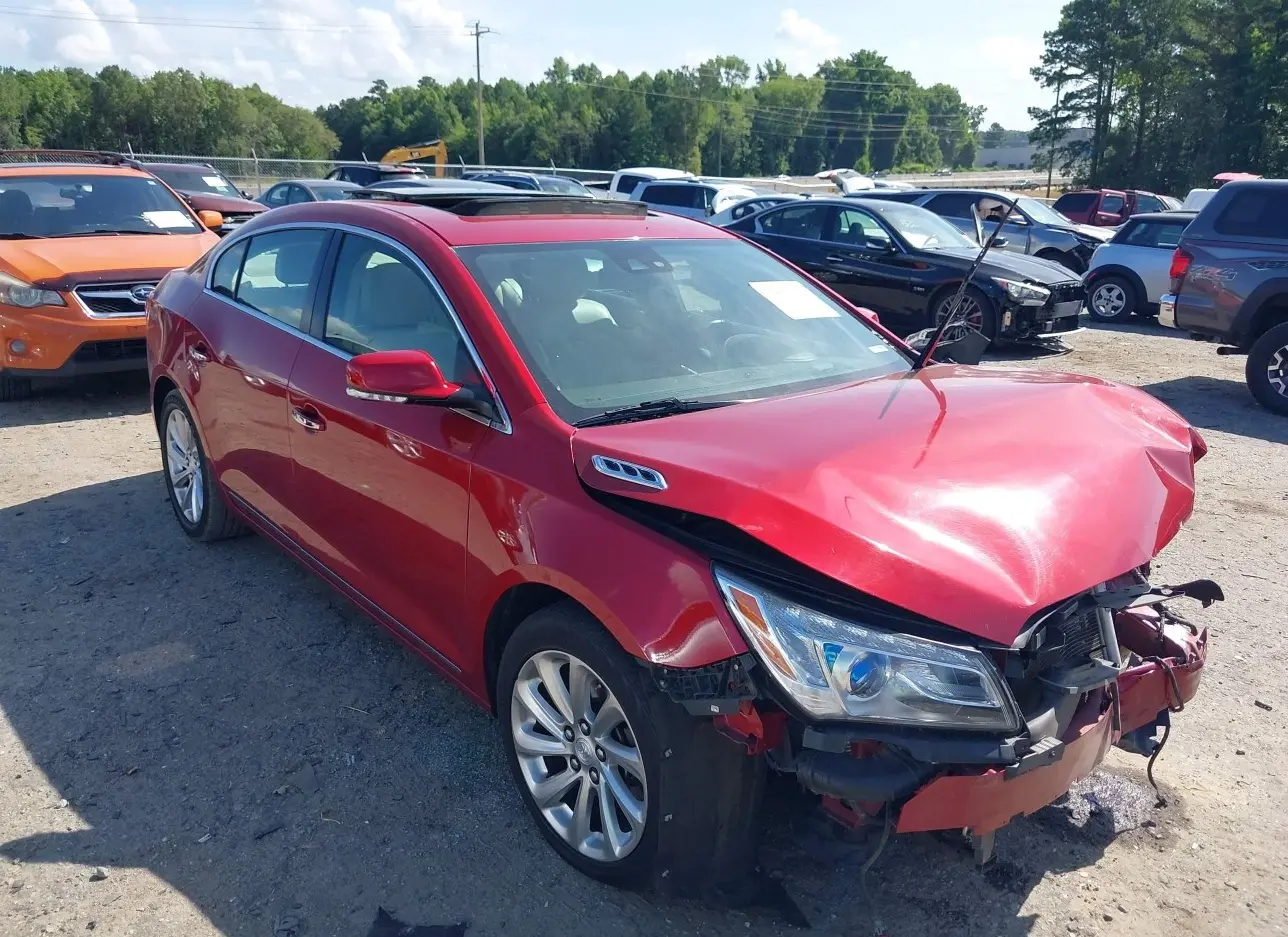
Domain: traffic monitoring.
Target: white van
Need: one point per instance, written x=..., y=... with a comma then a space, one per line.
x=625, y=180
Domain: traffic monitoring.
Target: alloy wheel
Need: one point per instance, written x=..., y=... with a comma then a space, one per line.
x=578, y=756
x=1277, y=371
x=183, y=462
x=968, y=312
x=1108, y=300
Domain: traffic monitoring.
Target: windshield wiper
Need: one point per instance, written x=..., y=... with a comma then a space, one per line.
x=98, y=231
x=651, y=409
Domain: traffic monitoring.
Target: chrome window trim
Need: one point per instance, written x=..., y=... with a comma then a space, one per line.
x=502, y=424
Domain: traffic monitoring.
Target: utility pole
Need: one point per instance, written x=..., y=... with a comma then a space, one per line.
x=478, y=31
x=1055, y=112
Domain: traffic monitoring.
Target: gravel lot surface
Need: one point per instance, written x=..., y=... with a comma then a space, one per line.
x=200, y=740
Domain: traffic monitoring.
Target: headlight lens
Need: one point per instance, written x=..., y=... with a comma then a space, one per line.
x=836, y=669
x=1026, y=294
x=14, y=292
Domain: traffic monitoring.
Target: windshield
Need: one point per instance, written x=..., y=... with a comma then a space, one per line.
x=922, y=229
x=1041, y=212
x=563, y=186
x=73, y=204
x=197, y=179
x=609, y=324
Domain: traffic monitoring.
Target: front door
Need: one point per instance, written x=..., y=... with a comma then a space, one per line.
x=867, y=266
x=386, y=485
x=249, y=328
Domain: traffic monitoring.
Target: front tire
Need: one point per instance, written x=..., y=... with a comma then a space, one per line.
x=1112, y=299
x=197, y=502
x=1266, y=370
x=665, y=800
x=979, y=310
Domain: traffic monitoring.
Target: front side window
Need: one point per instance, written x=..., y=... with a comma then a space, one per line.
x=380, y=302
x=804, y=221
x=279, y=270
x=952, y=204
x=857, y=227
x=296, y=195
x=77, y=205
x=1112, y=204
x=611, y=324
x=626, y=184
x=277, y=195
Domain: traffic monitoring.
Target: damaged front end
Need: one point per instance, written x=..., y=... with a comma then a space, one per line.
x=939, y=736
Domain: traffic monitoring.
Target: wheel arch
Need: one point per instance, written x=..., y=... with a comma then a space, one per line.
x=1263, y=310
x=511, y=608
x=1097, y=274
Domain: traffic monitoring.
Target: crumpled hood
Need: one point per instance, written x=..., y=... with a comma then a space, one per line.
x=1095, y=231
x=974, y=497
x=1000, y=262
x=59, y=263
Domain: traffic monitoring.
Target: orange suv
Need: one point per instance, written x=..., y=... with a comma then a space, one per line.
x=84, y=239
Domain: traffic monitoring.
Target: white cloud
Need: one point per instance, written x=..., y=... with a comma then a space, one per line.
x=802, y=43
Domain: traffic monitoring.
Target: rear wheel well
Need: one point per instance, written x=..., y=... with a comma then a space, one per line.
x=510, y=610
x=162, y=387
x=1270, y=313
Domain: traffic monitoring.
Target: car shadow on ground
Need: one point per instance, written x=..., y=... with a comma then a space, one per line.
x=217, y=716
x=85, y=398
x=1219, y=404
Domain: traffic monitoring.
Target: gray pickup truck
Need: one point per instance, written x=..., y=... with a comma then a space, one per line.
x=1229, y=283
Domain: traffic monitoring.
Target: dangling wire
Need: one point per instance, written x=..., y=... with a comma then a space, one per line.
x=1149, y=768
x=877, y=930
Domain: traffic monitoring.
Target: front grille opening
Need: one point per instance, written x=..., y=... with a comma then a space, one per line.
x=112, y=299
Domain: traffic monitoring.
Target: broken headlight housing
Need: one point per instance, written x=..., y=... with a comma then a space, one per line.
x=1026, y=294
x=838, y=669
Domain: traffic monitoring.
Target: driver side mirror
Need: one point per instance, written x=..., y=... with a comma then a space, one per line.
x=410, y=376
x=211, y=220
x=246, y=194
x=1000, y=242
x=885, y=245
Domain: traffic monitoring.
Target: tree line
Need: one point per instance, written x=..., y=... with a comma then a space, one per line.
x=719, y=117
x=1172, y=91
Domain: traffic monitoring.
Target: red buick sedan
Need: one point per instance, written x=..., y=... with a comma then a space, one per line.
x=678, y=515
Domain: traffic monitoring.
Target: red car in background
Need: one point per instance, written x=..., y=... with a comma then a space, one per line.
x=205, y=188
x=1107, y=208
x=678, y=515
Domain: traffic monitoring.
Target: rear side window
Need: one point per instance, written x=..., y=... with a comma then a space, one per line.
x=952, y=204
x=1076, y=202
x=1112, y=204
x=380, y=302
x=1255, y=212
x=279, y=270
x=626, y=184
x=224, y=279
x=675, y=196
x=806, y=221
x=1162, y=234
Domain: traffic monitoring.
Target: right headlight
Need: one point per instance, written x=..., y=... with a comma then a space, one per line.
x=838, y=669
x=1026, y=294
x=15, y=292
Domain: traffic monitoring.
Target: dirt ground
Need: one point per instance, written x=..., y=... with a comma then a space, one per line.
x=201, y=740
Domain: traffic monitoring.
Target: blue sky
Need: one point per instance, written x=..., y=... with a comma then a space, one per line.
x=313, y=51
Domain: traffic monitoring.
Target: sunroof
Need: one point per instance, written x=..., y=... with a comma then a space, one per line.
x=464, y=200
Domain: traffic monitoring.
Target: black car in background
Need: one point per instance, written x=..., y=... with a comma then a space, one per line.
x=1032, y=228
x=905, y=264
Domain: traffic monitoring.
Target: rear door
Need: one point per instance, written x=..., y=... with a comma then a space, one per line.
x=251, y=323
x=1112, y=210
x=793, y=232
x=386, y=485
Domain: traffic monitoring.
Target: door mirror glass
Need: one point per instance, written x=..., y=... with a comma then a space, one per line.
x=401, y=377
x=212, y=220
x=885, y=245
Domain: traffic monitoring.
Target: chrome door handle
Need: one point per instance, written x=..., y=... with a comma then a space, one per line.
x=837, y=259
x=310, y=421
x=199, y=353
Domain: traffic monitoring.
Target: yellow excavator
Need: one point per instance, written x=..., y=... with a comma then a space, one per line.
x=436, y=149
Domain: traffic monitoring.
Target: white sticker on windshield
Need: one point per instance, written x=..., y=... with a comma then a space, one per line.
x=214, y=180
x=168, y=219
x=795, y=299
x=878, y=348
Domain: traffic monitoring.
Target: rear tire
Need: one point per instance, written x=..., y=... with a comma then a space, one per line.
x=1266, y=370
x=14, y=388
x=699, y=793
x=1112, y=299
x=197, y=502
